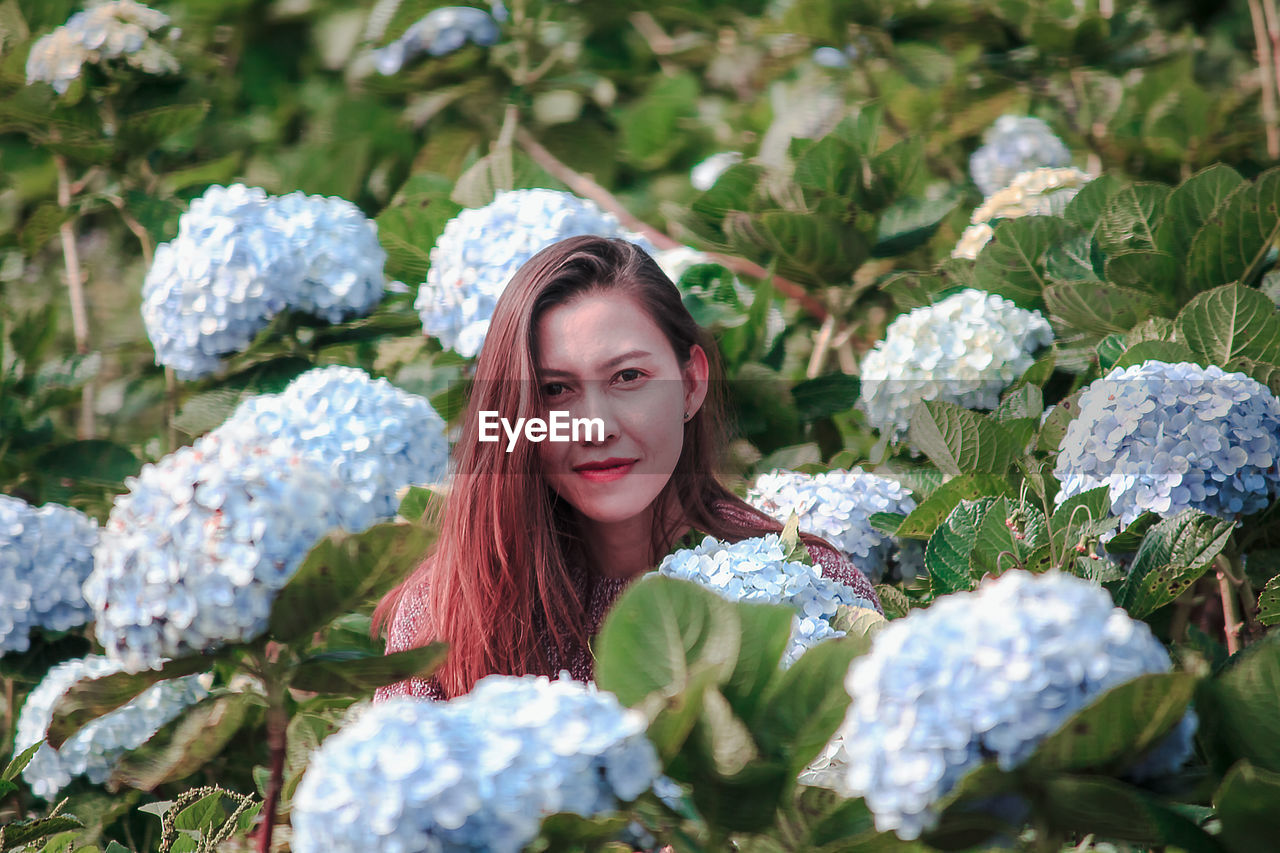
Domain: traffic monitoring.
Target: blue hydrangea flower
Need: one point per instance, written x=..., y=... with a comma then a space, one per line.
x=837, y=505
x=1168, y=437
x=97, y=747
x=965, y=349
x=986, y=673
x=480, y=249
x=478, y=772
x=440, y=31
x=1015, y=144
x=372, y=436
x=194, y=553
x=704, y=175
x=756, y=570
x=45, y=555
x=117, y=28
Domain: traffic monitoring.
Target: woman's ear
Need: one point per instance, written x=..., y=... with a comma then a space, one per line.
x=696, y=371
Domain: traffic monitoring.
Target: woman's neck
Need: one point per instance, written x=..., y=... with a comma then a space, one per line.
x=622, y=549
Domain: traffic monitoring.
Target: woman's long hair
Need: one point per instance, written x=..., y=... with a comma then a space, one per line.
x=499, y=567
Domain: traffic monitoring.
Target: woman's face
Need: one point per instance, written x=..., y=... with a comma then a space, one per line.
x=600, y=356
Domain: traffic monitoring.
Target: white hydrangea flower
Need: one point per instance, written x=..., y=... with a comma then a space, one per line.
x=478, y=772
x=45, y=555
x=104, y=31
x=987, y=673
x=481, y=248
x=442, y=30
x=1015, y=144
x=1170, y=437
x=756, y=570
x=1038, y=192
x=965, y=349
x=837, y=505
x=192, y=556
x=96, y=748
x=704, y=175
x=372, y=436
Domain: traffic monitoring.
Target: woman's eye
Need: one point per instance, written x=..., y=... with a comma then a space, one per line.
x=546, y=389
x=631, y=370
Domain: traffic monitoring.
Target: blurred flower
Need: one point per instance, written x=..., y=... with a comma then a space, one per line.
x=837, y=505
x=705, y=174
x=983, y=674
x=1012, y=145
x=481, y=248
x=965, y=349
x=45, y=555
x=97, y=747
x=104, y=31
x=478, y=772
x=756, y=570
x=442, y=30
x=1169, y=437
x=1039, y=192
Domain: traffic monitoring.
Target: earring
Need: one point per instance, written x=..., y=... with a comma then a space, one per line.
x=686, y=416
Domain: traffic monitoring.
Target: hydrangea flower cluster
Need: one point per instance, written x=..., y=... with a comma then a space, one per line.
x=97, y=747
x=105, y=31
x=704, y=175
x=757, y=570
x=1015, y=144
x=965, y=350
x=478, y=772
x=987, y=673
x=45, y=555
x=1039, y=192
x=480, y=249
x=837, y=505
x=374, y=437
x=241, y=257
x=440, y=31
x=1168, y=437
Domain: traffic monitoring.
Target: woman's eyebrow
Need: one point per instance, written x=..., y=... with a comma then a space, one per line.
x=635, y=353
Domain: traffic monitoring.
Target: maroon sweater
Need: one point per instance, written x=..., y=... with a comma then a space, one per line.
x=599, y=593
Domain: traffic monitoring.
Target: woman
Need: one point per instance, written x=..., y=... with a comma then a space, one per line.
x=533, y=545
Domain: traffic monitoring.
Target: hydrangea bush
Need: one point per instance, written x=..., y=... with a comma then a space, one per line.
x=45, y=555
x=1167, y=437
x=478, y=772
x=965, y=349
x=1015, y=144
x=837, y=505
x=481, y=248
x=106, y=30
x=757, y=570
x=96, y=748
x=986, y=673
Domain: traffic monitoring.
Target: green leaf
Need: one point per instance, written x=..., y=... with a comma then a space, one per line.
x=569, y=831
x=925, y=518
x=1099, y=308
x=146, y=129
x=765, y=632
x=886, y=522
x=724, y=737
x=1115, y=810
x=1153, y=272
x=416, y=500
x=995, y=541
x=651, y=127
x=1246, y=806
x=1131, y=217
x=91, y=698
x=793, y=549
x=18, y=762
x=1013, y=263
x=1168, y=351
x=947, y=555
x=1234, y=240
x=809, y=702
x=1190, y=205
x=344, y=571
x=1109, y=350
x=185, y=745
x=1269, y=602
x=909, y=223
x=1024, y=401
x=1237, y=707
x=825, y=395
x=1230, y=322
x=1116, y=728
x=816, y=251
x=1173, y=555
x=203, y=816
x=23, y=832
x=90, y=462
x=42, y=225
x=960, y=441
x=351, y=671
x=1086, y=208
x=208, y=409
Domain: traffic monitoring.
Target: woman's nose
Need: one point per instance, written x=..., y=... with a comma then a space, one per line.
x=595, y=403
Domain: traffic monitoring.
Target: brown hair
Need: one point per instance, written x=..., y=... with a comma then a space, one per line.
x=499, y=568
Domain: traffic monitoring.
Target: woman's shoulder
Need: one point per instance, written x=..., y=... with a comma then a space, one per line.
x=410, y=616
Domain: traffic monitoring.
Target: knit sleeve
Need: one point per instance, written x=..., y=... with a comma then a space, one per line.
x=837, y=567
x=411, y=613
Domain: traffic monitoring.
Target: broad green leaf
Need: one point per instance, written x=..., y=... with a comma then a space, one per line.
x=1099, y=308
x=344, y=571
x=825, y=395
x=1130, y=538
x=23, y=832
x=725, y=738
x=809, y=702
x=886, y=522
x=203, y=411
x=996, y=545
x=909, y=223
x=1073, y=259
x=960, y=441
x=651, y=126
x=1086, y=207
x=1151, y=329
x=204, y=815
x=1025, y=401
x=1153, y=272
x=1131, y=217
x=144, y=130
x=765, y=632
x=416, y=500
x=1116, y=728
x=18, y=762
x=1113, y=809
x=893, y=600
x=569, y=831
x=1246, y=806
x=1266, y=373
x=184, y=745
x=1109, y=350
x=1170, y=351
x=947, y=556
x=352, y=671
x=1237, y=707
x=1234, y=240
x=1190, y=205
x=1173, y=555
x=1269, y=602
x=1013, y=264
x=912, y=289
x=922, y=521
x=1231, y=322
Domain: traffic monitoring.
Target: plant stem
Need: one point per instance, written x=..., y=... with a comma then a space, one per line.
x=277, y=726
x=821, y=346
x=75, y=288
x=1230, y=607
x=1265, y=65
x=170, y=408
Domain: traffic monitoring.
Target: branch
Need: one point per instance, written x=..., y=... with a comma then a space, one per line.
x=75, y=289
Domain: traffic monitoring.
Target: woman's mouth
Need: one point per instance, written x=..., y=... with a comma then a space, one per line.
x=604, y=475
